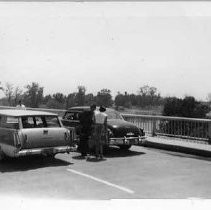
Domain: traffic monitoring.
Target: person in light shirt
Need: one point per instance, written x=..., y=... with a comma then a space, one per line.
x=20, y=105
x=100, y=129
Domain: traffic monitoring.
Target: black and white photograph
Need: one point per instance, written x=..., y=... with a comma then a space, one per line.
x=105, y=102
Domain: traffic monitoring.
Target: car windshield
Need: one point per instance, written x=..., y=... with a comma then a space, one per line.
x=112, y=114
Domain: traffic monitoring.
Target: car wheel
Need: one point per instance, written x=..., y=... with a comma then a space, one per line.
x=125, y=147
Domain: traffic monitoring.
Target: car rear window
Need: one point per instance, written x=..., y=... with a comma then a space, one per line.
x=40, y=121
x=71, y=116
x=112, y=114
x=9, y=122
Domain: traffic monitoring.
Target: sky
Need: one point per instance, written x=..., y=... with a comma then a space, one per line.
x=121, y=46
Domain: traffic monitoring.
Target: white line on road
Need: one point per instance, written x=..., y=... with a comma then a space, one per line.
x=102, y=181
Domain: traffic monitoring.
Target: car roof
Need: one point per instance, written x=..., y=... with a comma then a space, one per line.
x=85, y=108
x=79, y=108
x=19, y=113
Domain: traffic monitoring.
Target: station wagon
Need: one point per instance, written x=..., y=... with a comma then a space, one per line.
x=24, y=132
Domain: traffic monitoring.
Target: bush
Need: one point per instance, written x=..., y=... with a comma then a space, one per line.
x=187, y=107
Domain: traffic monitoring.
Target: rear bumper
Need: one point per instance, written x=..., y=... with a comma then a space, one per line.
x=121, y=140
x=43, y=151
x=126, y=140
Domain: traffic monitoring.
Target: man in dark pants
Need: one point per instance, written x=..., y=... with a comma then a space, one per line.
x=86, y=119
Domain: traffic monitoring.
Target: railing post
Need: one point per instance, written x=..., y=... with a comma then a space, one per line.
x=153, y=127
x=209, y=132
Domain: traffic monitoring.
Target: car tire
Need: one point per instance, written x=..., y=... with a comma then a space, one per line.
x=125, y=147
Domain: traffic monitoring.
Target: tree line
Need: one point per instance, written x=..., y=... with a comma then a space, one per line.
x=33, y=96
x=147, y=96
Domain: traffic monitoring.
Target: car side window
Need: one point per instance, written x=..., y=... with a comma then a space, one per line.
x=52, y=121
x=28, y=122
x=39, y=122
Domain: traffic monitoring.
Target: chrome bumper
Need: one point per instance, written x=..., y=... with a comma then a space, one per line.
x=126, y=140
x=43, y=151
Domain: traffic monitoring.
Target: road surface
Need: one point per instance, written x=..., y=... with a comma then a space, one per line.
x=136, y=174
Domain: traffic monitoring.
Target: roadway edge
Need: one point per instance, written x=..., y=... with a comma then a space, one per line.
x=176, y=148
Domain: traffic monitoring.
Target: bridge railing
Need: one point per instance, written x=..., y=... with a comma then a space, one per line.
x=189, y=128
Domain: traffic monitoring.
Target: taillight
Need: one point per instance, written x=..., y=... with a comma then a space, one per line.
x=17, y=140
x=67, y=136
x=24, y=138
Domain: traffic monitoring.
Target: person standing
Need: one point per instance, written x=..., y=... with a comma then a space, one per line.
x=20, y=105
x=100, y=130
x=86, y=119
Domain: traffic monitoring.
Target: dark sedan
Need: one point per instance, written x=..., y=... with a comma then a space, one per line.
x=120, y=132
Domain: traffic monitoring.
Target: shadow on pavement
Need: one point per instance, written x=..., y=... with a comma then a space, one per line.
x=90, y=158
x=116, y=152
x=112, y=152
x=94, y=159
x=79, y=157
x=30, y=163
